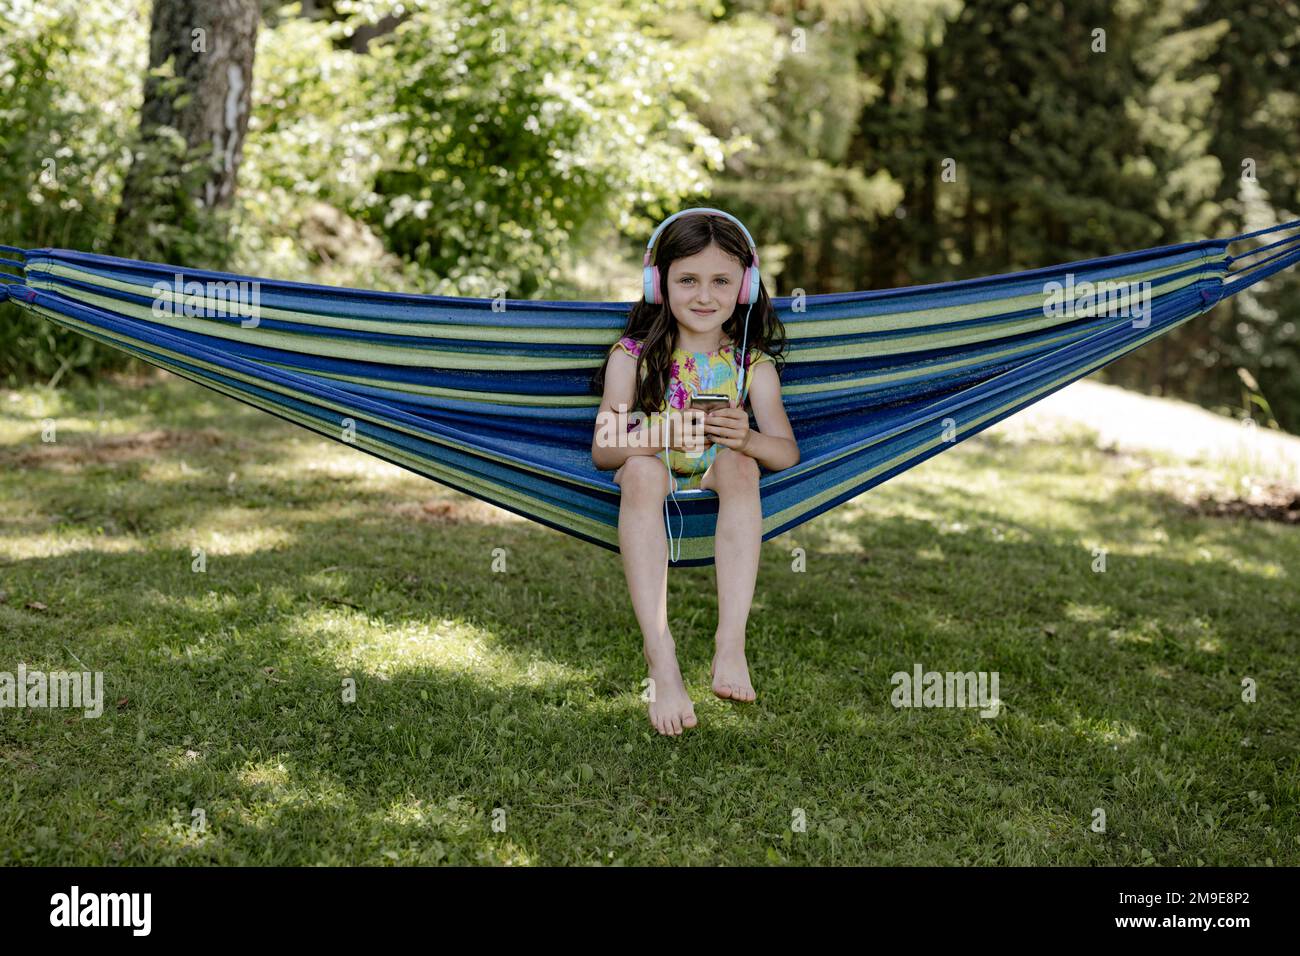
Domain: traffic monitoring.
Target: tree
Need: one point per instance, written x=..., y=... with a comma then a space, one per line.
x=192, y=125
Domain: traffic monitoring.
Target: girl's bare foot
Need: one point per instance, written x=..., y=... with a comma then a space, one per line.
x=730, y=673
x=671, y=709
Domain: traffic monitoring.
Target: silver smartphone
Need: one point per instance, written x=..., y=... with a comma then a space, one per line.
x=708, y=401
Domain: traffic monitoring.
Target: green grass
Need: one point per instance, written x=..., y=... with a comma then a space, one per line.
x=520, y=690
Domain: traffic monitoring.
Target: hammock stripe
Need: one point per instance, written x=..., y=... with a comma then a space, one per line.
x=492, y=398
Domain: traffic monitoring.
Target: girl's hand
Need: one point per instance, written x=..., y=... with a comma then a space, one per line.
x=690, y=437
x=729, y=427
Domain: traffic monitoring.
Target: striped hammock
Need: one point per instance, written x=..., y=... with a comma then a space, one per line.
x=495, y=401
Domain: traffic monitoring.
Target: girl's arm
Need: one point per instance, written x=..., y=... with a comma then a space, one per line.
x=774, y=446
x=609, y=448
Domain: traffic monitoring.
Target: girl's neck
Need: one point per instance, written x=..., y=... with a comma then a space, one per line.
x=690, y=343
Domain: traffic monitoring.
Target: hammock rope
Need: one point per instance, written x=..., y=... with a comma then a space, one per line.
x=494, y=401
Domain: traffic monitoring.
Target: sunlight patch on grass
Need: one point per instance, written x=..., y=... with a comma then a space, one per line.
x=389, y=651
x=1102, y=731
x=1127, y=635
x=183, y=759
x=885, y=503
x=168, y=470
x=543, y=674
x=31, y=546
x=961, y=483
x=455, y=814
x=1202, y=633
x=228, y=532
x=1030, y=429
x=453, y=819
x=380, y=648
x=1262, y=569
x=175, y=833
x=334, y=578
x=1269, y=570
x=198, y=651
x=32, y=402
x=1251, y=461
x=210, y=602
x=1156, y=544
x=840, y=540
x=270, y=789
x=1088, y=613
x=266, y=776
x=334, y=460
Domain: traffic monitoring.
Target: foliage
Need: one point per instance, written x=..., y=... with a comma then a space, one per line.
x=68, y=91
x=519, y=128
x=526, y=148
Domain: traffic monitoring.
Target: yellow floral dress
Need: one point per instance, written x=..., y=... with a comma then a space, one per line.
x=694, y=373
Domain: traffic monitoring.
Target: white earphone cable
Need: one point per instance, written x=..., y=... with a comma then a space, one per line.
x=681, y=522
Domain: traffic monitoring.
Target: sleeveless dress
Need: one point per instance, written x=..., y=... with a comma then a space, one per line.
x=693, y=373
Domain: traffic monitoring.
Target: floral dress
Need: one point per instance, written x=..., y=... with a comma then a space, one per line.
x=694, y=373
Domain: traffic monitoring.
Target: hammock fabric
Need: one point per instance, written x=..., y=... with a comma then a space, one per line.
x=497, y=403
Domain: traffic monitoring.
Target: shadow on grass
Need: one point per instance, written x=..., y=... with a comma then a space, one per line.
x=1100, y=672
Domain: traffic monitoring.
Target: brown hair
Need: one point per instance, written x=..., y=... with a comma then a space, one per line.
x=655, y=327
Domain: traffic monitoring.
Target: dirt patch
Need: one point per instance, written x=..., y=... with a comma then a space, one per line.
x=447, y=511
x=136, y=376
x=114, y=449
x=1275, y=501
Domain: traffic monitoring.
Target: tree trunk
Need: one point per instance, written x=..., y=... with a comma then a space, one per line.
x=204, y=97
x=929, y=233
x=359, y=42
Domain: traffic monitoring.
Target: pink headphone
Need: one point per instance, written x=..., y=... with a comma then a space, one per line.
x=748, y=282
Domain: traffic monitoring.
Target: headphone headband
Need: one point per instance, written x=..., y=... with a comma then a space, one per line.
x=649, y=246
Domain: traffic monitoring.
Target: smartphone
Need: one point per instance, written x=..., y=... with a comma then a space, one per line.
x=708, y=401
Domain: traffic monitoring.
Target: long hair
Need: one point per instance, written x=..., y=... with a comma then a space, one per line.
x=655, y=327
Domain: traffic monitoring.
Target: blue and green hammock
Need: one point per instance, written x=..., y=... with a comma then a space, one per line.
x=496, y=402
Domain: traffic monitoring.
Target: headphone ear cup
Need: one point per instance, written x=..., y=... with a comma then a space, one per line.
x=650, y=284
x=748, y=287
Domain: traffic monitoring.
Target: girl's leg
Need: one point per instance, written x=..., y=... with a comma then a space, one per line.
x=733, y=476
x=644, y=481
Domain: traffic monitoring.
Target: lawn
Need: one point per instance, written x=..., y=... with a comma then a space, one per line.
x=497, y=715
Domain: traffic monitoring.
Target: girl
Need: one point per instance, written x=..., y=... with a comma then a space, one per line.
x=684, y=339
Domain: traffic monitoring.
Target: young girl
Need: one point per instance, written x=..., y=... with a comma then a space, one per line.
x=704, y=304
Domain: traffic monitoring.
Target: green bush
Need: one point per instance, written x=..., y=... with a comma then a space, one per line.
x=65, y=106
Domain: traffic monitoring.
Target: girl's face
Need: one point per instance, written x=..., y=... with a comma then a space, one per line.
x=703, y=288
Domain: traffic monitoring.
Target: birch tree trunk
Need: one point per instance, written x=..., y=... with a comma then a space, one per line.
x=195, y=113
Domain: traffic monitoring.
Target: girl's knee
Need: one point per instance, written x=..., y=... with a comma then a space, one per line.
x=643, y=475
x=735, y=469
